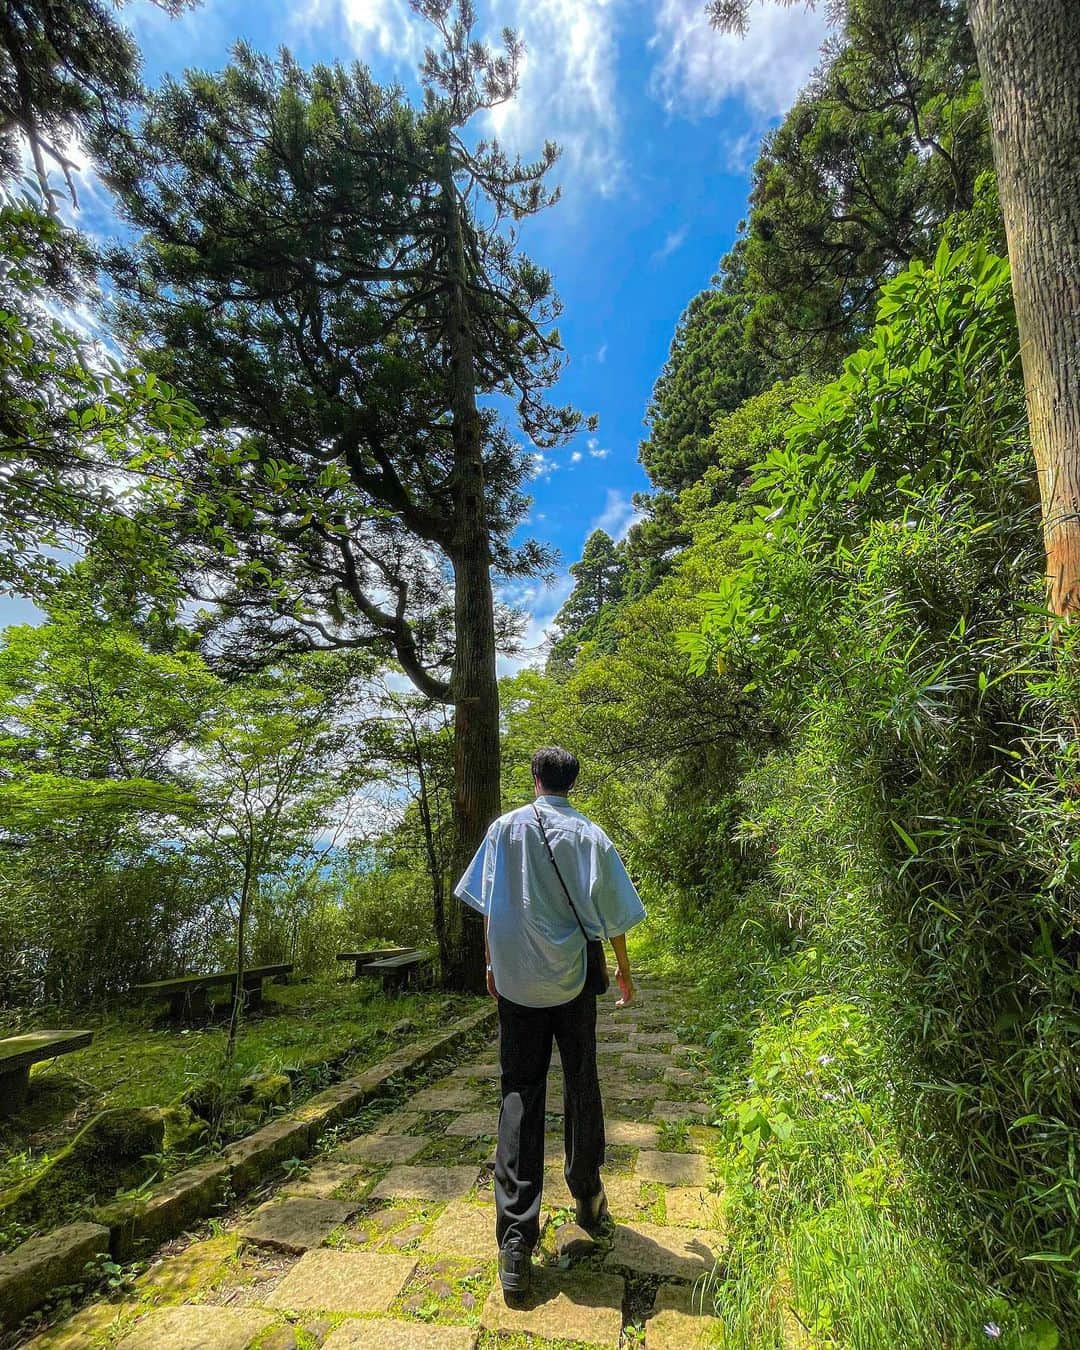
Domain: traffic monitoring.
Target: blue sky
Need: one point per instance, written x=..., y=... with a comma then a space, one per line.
x=659, y=119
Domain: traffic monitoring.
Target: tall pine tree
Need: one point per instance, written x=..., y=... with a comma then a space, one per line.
x=332, y=274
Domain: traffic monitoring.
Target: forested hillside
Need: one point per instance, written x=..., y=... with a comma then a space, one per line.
x=820, y=708
x=269, y=456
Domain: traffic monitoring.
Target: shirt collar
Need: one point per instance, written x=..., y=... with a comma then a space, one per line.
x=553, y=799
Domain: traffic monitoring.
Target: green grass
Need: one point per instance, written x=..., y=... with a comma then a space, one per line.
x=843, y=1224
x=136, y=1060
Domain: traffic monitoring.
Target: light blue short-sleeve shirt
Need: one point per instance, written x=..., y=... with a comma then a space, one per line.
x=537, y=949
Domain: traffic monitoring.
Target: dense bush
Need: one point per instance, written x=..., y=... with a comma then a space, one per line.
x=916, y=820
x=856, y=831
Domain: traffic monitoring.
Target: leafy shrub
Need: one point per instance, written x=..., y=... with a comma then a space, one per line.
x=915, y=817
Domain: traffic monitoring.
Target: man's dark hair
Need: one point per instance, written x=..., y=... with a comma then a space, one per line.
x=556, y=768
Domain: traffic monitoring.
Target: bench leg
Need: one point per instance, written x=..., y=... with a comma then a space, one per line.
x=14, y=1090
x=194, y=1006
x=253, y=994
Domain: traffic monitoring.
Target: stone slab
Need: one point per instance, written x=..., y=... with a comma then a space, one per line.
x=486, y=1069
x=678, y=1076
x=197, y=1267
x=343, y=1281
x=464, y=1229
x=398, y=1122
x=678, y=1321
x=624, y=1197
x=677, y=1111
x=573, y=1242
x=331, y=1106
x=554, y=1151
x=443, y=1099
x=562, y=1306
x=620, y=1090
x=30, y=1272
x=384, y=1333
x=295, y=1223
x=690, y=1207
x=606, y=1048
x=654, y=1038
x=382, y=1149
x=474, y=1125
x=672, y=1169
x=672, y=1253
x=632, y=1133
x=262, y=1153
x=97, y=1324
x=197, y=1327
x=556, y=1192
x=169, y=1208
x=648, y=1059
x=426, y=1183
x=323, y=1180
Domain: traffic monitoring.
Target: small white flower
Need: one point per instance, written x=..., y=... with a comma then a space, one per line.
x=992, y=1330
x=825, y=1059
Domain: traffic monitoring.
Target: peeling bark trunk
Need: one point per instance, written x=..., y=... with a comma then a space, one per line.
x=474, y=686
x=1029, y=59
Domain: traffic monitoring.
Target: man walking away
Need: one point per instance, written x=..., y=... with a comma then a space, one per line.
x=536, y=867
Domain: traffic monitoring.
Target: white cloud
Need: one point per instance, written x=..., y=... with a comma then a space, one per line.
x=542, y=465
x=697, y=67
x=567, y=91
x=740, y=151
x=618, y=515
x=386, y=28
x=601, y=355
x=576, y=457
x=595, y=449
x=672, y=243
x=541, y=601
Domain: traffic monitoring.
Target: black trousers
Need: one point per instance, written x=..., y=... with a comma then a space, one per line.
x=525, y=1039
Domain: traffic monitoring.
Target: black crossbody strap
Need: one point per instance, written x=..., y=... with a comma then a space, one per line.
x=540, y=822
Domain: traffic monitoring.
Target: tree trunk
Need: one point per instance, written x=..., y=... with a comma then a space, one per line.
x=474, y=685
x=237, y=1010
x=435, y=868
x=1029, y=59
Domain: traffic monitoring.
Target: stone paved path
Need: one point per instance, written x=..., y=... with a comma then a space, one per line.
x=386, y=1239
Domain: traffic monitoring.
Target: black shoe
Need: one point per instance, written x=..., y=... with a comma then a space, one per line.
x=590, y=1214
x=515, y=1270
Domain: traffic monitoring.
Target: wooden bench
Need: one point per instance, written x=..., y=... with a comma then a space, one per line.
x=398, y=972
x=17, y=1053
x=187, y=994
x=376, y=954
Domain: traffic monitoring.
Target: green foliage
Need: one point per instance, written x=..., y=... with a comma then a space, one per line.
x=291, y=275
x=140, y=796
x=70, y=417
x=884, y=145
x=67, y=70
x=916, y=816
x=709, y=371
x=599, y=583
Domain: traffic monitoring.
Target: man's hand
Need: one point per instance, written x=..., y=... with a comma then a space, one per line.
x=491, y=984
x=626, y=988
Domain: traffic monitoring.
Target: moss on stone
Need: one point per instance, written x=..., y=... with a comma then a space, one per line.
x=184, y=1275
x=108, y=1154
x=184, y=1131
x=267, y=1090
